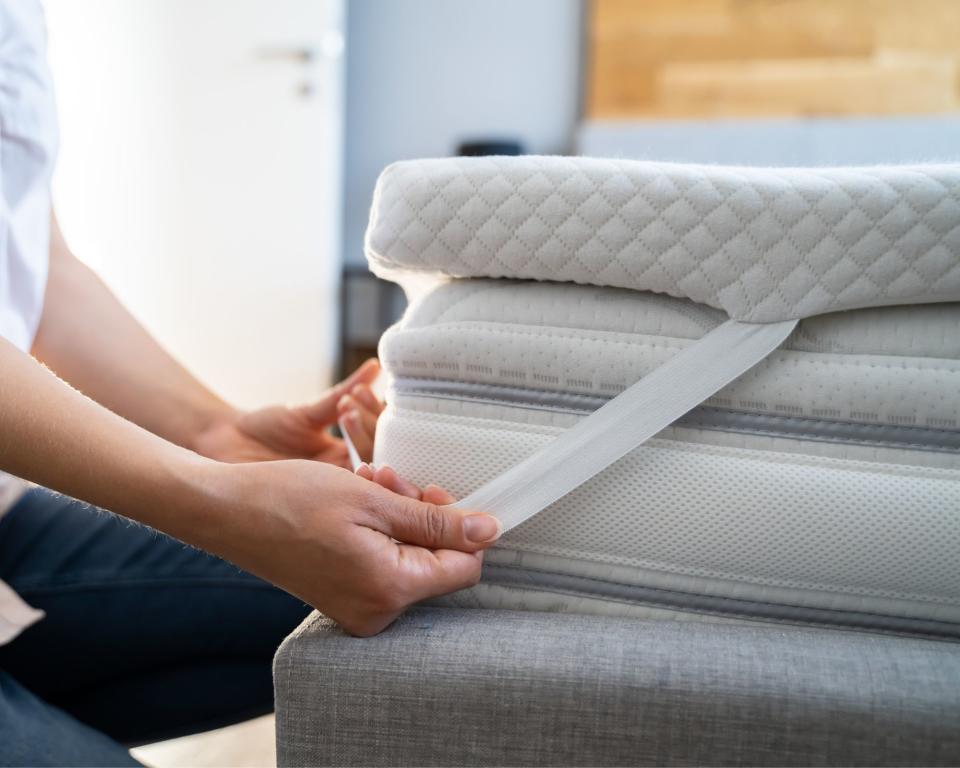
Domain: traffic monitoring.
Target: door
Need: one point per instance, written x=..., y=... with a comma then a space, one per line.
x=200, y=174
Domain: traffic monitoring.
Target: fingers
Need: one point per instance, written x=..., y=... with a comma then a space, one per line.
x=418, y=574
x=434, y=494
x=357, y=414
x=324, y=411
x=365, y=374
x=388, y=478
x=435, y=550
x=335, y=452
x=432, y=573
x=366, y=398
x=360, y=434
x=349, y=404
x=429, y=524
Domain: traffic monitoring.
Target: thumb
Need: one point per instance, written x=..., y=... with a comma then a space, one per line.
x=429, y=525
x=324, y=411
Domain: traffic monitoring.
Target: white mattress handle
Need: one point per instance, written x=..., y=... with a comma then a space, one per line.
x=631, y=418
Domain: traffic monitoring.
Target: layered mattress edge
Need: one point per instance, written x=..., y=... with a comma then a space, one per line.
x=821, y=487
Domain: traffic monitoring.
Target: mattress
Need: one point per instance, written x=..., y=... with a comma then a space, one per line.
x=821, y=486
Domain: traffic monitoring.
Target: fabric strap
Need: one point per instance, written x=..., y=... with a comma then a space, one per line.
x=631, y=418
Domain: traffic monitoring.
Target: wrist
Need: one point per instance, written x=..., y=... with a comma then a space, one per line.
x=235, y=511
x=208, y=425
x=208, y=494
x=230, y=509
x=179, y=493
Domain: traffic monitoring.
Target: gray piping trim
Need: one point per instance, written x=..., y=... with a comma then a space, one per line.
x=824, y=430
x=525, y=578
x=702, y=417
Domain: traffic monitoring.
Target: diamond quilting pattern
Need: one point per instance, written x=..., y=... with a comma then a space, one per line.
x=761, y=244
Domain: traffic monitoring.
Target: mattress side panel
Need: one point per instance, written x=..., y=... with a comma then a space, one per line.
x=823, y=486
x=869, y=370
x=752, y=529
x=923, y=330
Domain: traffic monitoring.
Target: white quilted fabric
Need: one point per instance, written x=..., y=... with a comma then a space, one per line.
x=760, y=244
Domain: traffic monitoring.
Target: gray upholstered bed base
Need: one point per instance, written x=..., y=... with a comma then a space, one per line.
x=484, y=687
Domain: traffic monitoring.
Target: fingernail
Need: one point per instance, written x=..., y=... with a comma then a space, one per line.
x=362, y=466
x=343, y=401
x=481, y=528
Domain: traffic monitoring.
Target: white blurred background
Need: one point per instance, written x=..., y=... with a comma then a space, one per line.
x=201, y=174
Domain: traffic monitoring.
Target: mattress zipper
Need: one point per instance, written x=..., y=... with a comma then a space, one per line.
x=703, y=417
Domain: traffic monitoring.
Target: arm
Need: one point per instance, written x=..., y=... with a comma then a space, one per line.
x=316, y=530
x=91, y=341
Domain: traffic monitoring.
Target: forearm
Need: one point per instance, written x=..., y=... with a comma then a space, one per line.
x=54, y=436
x=91, y=341
x=317, y=531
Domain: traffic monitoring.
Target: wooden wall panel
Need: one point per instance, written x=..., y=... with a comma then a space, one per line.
x=710, y=58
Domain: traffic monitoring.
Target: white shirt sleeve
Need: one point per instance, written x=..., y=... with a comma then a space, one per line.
x=28, y=148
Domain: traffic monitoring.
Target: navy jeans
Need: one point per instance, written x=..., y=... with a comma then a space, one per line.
x=144, y=639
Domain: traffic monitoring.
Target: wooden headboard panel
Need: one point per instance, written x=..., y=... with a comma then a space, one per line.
x=732, y=58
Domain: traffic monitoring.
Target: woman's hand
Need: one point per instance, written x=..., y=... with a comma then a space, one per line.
x=356, y=550
x=353, y=549
x=92, y=342
x=387, y=477
x=280, y=432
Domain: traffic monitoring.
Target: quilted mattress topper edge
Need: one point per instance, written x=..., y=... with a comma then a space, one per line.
x=761, y=244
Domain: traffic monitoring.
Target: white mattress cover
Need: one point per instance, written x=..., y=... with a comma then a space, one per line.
x=897, y=367
x=761, y=244
x=759, y=524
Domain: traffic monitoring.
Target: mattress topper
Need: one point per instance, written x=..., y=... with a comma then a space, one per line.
x=745, y=436
x=762, y=244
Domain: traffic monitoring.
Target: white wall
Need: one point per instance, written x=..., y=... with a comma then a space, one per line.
x=200, y=175
x=423, y=75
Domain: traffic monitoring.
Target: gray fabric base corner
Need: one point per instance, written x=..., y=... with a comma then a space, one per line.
x=476, y=687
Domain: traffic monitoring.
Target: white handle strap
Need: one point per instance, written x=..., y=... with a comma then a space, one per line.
x=631, y=418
